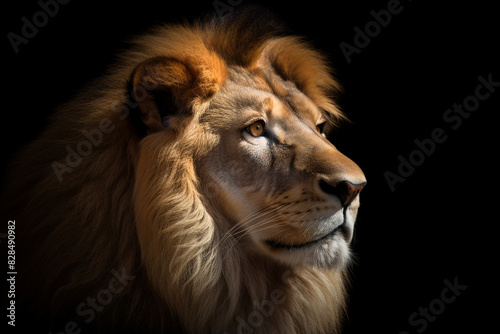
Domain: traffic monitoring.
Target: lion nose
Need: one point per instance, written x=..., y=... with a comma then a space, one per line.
x=345, y=190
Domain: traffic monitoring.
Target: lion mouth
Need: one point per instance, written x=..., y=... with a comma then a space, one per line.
x=278, y=245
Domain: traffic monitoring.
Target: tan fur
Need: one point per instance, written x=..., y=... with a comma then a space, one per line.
x=149, y=207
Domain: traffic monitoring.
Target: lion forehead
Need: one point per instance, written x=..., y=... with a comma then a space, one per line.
x=244, y=94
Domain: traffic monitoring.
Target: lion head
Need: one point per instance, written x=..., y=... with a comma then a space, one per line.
x=211, y=182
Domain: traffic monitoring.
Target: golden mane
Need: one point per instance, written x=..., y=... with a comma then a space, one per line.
x=94, y=200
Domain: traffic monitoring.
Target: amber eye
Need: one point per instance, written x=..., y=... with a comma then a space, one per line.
x=256, y=129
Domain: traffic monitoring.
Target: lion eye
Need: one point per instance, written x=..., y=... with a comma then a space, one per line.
x=321, y=128
x=256, y=129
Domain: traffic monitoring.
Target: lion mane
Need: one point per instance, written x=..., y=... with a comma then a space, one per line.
x=116, y=232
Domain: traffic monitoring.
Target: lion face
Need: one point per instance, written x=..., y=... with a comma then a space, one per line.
x=287, y=191
x=257, y=136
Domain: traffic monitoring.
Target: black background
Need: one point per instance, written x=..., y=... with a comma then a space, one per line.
x=440, y=223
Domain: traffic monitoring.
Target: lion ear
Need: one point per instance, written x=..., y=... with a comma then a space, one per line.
x=160, y=87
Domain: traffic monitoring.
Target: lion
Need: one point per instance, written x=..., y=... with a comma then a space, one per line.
x=191, y=189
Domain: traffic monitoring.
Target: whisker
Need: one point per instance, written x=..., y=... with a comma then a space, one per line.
x=260, y=226
x=264, y=217
x=235, y=241
x=259, y=213
x=315, y=221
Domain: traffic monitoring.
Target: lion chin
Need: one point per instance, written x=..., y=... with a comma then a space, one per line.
x=192, y=189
